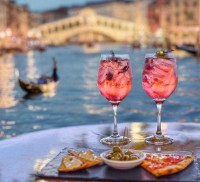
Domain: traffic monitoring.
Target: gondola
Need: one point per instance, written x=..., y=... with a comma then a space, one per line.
x=190, y=49
x=45, y=84
x=136, y=45
x=91, y=48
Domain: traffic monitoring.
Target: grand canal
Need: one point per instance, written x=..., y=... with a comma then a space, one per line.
x=78, y=101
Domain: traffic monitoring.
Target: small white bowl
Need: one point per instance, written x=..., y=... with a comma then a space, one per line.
x=123, y=164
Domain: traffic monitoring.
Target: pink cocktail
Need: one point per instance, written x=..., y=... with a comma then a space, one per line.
x=159, y=80
x=114, y=83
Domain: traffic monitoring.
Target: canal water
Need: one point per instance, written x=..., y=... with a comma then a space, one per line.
x=78, y=101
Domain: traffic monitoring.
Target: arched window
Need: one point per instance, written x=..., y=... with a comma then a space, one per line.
x=195, y=4
x=98, y=22
x=63, y=27
x=70, y=25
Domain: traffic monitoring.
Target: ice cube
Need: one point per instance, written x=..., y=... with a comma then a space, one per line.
x=113, y=65
x=122, y=65
x=159, y=72
x=147, y=81
x=148, y=67
x=128, y=74
x=164, y=64
x=171, y=77
x=154, y=74
x=104, y=63
x=158, y=88
x=104, y=73
x=170, y=89
x=119, y=77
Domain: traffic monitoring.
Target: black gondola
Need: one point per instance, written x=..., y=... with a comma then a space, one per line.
x=188, y=48
x=45, y=84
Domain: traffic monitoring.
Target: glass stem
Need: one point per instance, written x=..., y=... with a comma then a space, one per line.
x=159, y=108
x=115, y=131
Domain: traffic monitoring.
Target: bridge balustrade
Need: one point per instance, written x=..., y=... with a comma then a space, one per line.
x=63, y=29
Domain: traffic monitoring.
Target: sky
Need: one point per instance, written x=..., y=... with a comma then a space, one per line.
x=43, y=5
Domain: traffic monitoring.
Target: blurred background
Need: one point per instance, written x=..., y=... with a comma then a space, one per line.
x=75, y=33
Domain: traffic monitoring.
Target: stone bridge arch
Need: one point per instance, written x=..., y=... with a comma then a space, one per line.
x=87, y=21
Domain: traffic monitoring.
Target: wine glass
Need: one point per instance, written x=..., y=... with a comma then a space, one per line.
x=159, y=80
x=114, y=83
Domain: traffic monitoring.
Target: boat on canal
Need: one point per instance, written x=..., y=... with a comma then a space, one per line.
x=188, y=48
x=44, y=85
x=91, y=48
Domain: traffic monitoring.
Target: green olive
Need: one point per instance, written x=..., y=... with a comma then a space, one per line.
x=116, y=158
x=133, y=157
x=117, y=149
x=118, y=155
x=128, y=152
x=115, y=153
x=125, y=157
x=160, y=52
x=109, y=156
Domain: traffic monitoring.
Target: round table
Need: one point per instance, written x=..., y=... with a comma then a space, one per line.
x=27, y=154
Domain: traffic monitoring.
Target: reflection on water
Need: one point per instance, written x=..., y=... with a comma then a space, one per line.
x=32, y=71
x=7, y=82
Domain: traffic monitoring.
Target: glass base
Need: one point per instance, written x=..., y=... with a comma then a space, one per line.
x=112, y=141
x=161, y=140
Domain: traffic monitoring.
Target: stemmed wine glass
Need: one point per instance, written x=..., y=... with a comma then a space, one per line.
x=114, y=83
x=159, y=80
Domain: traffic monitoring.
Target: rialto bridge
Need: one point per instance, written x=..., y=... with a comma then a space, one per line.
x=87, y=26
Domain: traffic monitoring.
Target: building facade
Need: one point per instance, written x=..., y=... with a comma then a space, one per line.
x=15, y=21
x=3, y=22
x=184, y=21
x=3, y=15
x=177, y=21
x=49, y=16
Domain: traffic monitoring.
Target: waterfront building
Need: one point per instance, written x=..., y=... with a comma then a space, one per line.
x=3, y=15
x=138, y=13
x=112, y=8
x=19, y=20
x=15, y=21
x=184, y=21
x=50, y=15
x=157, y=21
x=175, y=21
x=12, y=17
x=3, y=22
x=24, y=21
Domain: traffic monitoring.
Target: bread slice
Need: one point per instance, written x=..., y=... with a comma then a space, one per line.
x=87, y=157
x=71, y=163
